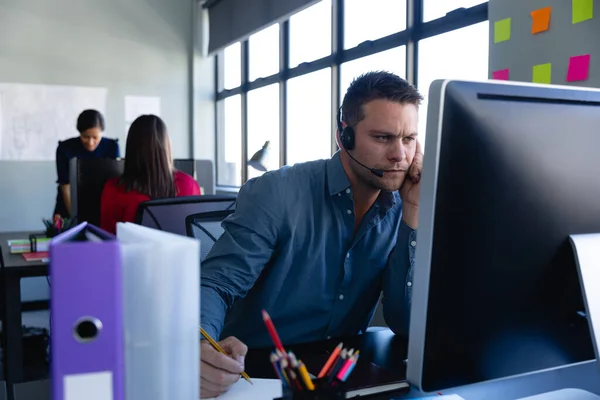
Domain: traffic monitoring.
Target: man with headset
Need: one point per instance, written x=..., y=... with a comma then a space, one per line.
x=315, y=244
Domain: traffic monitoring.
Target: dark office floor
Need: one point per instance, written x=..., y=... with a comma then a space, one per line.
x=35, y=340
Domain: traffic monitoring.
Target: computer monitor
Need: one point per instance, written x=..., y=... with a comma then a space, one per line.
x=510, y=171
x=186, y=165
x=87, y=178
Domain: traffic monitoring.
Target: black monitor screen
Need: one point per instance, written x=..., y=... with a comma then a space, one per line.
x=517, y=172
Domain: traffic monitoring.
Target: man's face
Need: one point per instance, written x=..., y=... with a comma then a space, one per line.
x=386, y=140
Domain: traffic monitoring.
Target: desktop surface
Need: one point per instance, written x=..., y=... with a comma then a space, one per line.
x=16, y=260
x=510, y=172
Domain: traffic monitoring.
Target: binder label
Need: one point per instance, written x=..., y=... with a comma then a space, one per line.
x=90, y=386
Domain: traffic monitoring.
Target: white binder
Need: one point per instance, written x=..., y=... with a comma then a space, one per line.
x=161, y=285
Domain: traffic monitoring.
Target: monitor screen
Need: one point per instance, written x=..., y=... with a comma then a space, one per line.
x=185, y=165
x=88, y=176
x=510, y=171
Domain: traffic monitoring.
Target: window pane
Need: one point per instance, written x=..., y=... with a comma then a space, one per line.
x=433, y=9
x=229, y=142
x=232, y=64
x=393, y=60
x=372, y=19
x=263, y=125
x=309, y=118
x=264, y=53
x=310, y=33
x=460, y=54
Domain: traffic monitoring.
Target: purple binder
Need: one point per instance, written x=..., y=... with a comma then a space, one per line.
x=87, y=355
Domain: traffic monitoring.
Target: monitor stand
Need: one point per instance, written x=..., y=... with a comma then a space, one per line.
x=564, y=394
x=587, y=261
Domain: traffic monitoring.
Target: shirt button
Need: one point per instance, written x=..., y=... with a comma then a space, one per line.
x=339, y=194
x=348, y=191
x=328, y=337
x=409, y=284
x=413, y=243
x=349, y=211
x=341, y=297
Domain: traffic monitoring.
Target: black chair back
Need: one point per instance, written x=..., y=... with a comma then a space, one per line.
x=207, y=228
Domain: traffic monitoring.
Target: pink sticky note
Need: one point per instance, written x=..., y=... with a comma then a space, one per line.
x=579, y=68
x=501, y=74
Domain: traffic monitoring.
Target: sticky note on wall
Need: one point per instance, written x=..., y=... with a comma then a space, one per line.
x=582, y=10
x=501, y=74
x=540, y=20
x=502, y=30
x=579, y=68
x=542, y=73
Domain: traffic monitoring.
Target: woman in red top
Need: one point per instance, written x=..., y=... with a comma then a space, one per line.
x=148, y=174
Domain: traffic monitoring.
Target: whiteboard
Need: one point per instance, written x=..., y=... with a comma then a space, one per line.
x=33, y=117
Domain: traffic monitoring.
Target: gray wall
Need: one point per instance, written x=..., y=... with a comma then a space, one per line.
x=130, y=47
x=556, y=45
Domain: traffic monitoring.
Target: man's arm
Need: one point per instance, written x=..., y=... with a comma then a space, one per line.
x=62, y=172
x=397, y=281
x=237, y=259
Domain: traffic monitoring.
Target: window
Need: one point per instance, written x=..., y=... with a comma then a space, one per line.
x=433, y=9
x=372, y=19
x=229, y=141
x=232, y=64
x=264, y=53
x=310, y=33
x=460, y=54
x=393, y=60
x=309, y=117
x=263, y=125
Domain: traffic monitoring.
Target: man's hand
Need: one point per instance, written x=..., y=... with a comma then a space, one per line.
x=218, y=371
x=410, y=190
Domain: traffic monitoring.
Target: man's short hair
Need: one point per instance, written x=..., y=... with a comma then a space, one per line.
x=372, y=86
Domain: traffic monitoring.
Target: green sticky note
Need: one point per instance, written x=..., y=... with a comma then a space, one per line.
x=502, y=30
x=582, y=10
x=542, y=73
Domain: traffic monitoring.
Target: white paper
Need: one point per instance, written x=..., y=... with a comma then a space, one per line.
x=90, y=386
x=263, y=389
x=140, y=105
x=33, y=118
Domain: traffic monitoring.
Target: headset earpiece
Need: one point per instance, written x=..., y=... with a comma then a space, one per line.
x=346, y=134
x=347, y=138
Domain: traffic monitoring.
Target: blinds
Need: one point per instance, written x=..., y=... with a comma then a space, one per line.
x=234, y=20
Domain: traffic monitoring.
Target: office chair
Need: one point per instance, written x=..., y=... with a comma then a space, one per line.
x=169, y=215
x=87, y=177
x=207, y=228
x=186, y=165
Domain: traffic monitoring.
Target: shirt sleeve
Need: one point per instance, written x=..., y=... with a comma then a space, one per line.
x=397, y=281
x=62, y=166
x=237, y=259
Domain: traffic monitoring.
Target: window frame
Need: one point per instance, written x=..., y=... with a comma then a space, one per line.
x=416, y=31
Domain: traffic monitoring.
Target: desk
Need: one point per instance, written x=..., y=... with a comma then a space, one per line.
x=386, y=350
x=382, y=348
x=15, y=268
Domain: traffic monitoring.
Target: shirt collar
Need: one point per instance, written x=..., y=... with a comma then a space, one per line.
x=337, y=180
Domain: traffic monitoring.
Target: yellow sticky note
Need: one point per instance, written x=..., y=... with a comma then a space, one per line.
x=582, y=10
x=502, y=30
x=542, y=73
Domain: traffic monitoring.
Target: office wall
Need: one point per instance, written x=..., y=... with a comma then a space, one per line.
x=130, y=47
x=563, y=40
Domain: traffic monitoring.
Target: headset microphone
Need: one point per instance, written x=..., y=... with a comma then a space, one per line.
x=347, y=139
x=374, y=171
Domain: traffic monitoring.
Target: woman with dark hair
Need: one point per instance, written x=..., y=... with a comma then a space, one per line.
x=89, y=144
x=148, y=174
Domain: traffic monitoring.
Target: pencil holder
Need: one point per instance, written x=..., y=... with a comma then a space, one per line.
x=323, y=391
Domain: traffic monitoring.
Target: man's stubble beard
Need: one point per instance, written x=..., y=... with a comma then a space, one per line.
x=367, y=178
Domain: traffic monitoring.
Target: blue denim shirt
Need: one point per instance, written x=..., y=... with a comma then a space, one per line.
x=290, y=249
